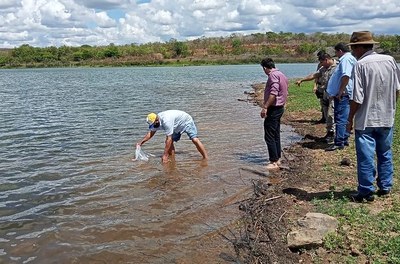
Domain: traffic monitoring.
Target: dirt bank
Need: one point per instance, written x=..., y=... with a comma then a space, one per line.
x=275, y=206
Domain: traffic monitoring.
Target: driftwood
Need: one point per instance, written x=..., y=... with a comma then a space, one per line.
x=259, y=239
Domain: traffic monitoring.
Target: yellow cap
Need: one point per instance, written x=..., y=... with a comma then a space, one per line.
x=151, y=118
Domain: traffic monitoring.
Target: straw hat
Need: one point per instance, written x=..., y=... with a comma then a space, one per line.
x=361, y=37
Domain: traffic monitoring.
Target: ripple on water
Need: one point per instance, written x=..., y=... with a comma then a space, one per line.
x=69, y=188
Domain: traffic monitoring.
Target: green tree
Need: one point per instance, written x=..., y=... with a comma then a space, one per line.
x=387, y=46
x=4, y=60
x=49, y=54
x=64, y=53
x=111, y=51
x=306, y=48
x=237, y=47
x=216, y=49
x=179, y=49
x=24, y=53
x=271, y=36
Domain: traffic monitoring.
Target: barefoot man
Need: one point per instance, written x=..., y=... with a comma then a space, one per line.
x=174, y=123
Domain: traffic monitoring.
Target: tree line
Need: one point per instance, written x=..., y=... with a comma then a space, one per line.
x=235, y=49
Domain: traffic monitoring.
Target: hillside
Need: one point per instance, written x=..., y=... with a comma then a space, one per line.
x=235, y=49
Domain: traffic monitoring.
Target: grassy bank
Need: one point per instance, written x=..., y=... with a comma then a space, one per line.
x=369, y=232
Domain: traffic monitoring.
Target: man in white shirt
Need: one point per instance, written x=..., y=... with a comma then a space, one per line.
x=376, y=85
x=174, y=123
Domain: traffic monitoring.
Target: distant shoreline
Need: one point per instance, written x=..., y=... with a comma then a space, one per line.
x=155, y=64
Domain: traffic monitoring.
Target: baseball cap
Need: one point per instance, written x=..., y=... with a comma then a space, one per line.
x=151, y=118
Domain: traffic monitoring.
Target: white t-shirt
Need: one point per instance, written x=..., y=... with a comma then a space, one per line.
x=173, y=121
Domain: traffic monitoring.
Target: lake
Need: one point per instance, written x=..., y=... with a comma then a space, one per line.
x=70, y=191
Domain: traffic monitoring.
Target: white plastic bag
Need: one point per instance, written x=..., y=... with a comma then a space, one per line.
x=140, y=154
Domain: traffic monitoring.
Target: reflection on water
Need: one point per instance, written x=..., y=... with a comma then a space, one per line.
x=70, y=191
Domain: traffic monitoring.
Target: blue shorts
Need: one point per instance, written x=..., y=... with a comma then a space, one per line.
x=190, y=130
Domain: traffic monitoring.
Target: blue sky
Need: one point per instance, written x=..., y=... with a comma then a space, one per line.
x=43, y=23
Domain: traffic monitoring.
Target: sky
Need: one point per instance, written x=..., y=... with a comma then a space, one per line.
x=45, y=23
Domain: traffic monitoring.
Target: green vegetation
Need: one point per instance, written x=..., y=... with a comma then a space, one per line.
x=302, y=98
x=367, y=230
x=235, y=49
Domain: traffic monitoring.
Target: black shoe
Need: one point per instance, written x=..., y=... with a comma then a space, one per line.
x=329, y=134
x=333, y=148
x=329, y=138
x=321, y=121
x=359, y=198
x=381, y=192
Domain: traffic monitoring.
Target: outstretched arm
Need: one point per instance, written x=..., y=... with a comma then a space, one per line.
x=310, y=77
x=147, y=137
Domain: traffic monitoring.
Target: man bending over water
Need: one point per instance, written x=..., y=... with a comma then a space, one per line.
x=174, y=123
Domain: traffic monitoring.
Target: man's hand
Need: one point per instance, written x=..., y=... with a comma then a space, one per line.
x=340, y=95
x=263, y=113
x=299, y=82
x=349, y=126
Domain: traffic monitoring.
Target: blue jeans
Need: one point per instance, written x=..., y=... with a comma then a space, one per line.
x=341, y=113
x=368, y=142
x=272, y=132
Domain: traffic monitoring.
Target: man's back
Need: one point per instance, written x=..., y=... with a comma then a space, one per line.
x=174, y=121
x=376, y=79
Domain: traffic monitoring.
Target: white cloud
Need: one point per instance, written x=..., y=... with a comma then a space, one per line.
x=100, y=22
x=208, y=4
x=198, y=14
x=53, y=13
x=14, y=37
x=103, y=20
x=8, y=4
x=163, y=17
x=256, y=7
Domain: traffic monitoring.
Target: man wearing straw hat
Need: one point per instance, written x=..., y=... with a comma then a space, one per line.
x=376, y=80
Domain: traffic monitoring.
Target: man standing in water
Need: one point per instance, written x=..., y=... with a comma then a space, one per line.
x=275, y=95
x=174, y=123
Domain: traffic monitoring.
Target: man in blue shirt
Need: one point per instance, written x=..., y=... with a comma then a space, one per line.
x=340, y=87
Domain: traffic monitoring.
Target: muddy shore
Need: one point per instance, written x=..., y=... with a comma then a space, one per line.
x=273, y=209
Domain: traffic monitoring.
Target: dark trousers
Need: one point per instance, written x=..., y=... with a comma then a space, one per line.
x=272, y=132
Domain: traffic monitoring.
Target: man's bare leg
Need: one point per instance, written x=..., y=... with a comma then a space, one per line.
x=200, y=147
x=171, y=150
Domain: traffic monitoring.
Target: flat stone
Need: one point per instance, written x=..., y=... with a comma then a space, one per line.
x=311, y=231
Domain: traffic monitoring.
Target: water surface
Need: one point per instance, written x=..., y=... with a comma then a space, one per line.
x=70, y=192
